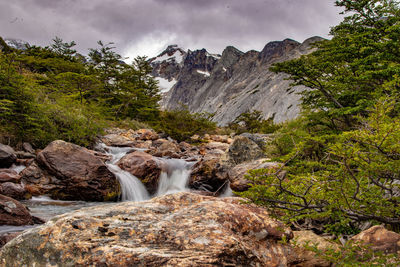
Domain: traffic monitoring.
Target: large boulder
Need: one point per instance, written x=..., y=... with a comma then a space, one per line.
x=209, y=174
x=7, y=156
x=244, y=149
x=183, y=229
x=71, y=172
x=144, y=166
x=237, y=174
x=378, y=238
x=13, y=212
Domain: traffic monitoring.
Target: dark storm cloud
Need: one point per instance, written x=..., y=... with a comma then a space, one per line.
x=142, y=27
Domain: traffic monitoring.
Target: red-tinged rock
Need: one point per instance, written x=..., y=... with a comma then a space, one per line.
x=13, y=212
x=70, y=172
x=144, y=166
x=378, y=238
x=8, y=175
x=183, y=229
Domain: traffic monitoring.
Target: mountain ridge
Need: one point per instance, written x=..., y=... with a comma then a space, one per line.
x=234, y=82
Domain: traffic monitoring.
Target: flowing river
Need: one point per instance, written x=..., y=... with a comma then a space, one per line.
x=173, y=178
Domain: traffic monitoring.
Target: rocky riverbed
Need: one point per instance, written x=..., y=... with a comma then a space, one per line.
x=174, y=210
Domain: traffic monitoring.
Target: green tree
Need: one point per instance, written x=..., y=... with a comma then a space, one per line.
x=345, y=74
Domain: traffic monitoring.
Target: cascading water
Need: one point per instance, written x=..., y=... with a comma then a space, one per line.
x=173, y=178
x=132, y=188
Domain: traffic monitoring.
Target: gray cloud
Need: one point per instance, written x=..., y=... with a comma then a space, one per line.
x=143, y=27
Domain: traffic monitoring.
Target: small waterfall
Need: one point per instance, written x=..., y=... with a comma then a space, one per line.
x=175, y=176
x=132, y=188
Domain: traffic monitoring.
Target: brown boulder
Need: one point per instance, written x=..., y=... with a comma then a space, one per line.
x=144, y=166
x=209, y=174
x=378, y=238
x=38, y=181
x=8, y=175
x=304, y=257
x=71, y=172
x=146, y=134
x=237, y=179
x=117, y=140
x=165, y=148
x=13, y=212
x=16, y=191
x=217, y=146
x=7, y=156
x=181, y=229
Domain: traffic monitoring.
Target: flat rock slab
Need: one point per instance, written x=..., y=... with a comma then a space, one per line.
x=182, y=229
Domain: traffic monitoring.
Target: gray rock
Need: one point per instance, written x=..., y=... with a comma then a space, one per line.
x=236, y=82
x=7, y=156
x=243, y=149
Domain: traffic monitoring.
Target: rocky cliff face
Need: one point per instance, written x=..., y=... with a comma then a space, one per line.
x=232, y=83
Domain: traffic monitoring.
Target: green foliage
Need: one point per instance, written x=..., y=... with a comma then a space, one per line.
x=181, y=124
x=354, y=254
x=347, y=73
x=341, y=158
x=339, y=179
x=253, y=122
x=49, y=93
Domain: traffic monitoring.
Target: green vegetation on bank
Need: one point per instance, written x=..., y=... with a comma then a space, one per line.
x=342, y=157
x=49, y=93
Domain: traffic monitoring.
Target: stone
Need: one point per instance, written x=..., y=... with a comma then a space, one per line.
x=71, y=172
x=182, y=229
x=147, y=134
x=165, y=148
x=8, y=175
x=237, y=179
x=306, y=258
x=13, y=212
x=16, y=191
x=7, y=156
x=117, y=140
x=219, y=138
x=209, y=174
x=243, y=149
x=378, y=238
x=28, y=148
x=24, y=155
x=217, y=145
x=144, y=166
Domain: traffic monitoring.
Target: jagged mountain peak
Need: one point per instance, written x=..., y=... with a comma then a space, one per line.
x=278, y=48
x=17, y=43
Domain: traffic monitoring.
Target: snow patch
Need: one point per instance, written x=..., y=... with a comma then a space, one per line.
x=216, y=56
x=164, y=84
x=177, y=56
x=205, y=73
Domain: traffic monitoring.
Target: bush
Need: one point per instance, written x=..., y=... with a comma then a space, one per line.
x=181, y=124
x=339, y=180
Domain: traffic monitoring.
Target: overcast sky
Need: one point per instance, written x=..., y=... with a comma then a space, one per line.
x=145, y=27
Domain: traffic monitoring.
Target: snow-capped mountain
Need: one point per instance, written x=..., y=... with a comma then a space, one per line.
x=16, y=43
x=232, y=83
